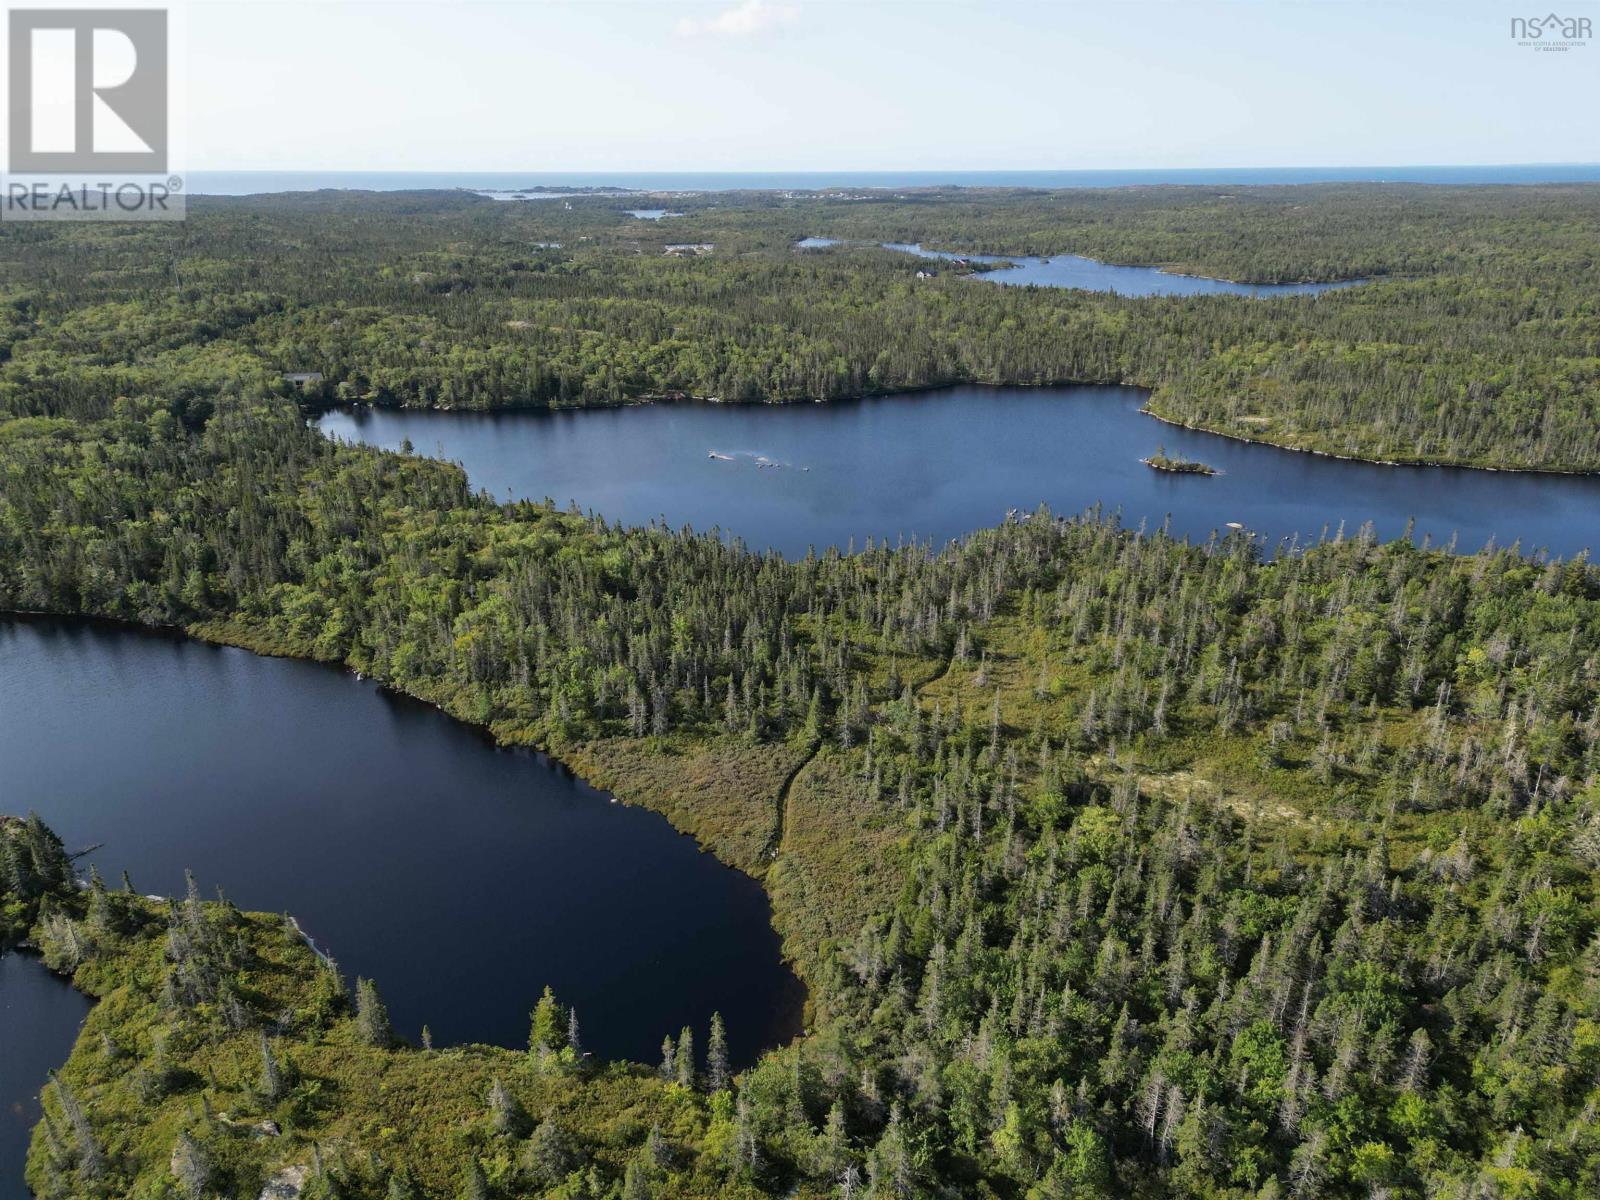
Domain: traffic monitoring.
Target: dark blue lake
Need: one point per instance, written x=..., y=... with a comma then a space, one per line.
x=461, y=877
x=940, y=464
x=39, y=1020
x=1092, y=275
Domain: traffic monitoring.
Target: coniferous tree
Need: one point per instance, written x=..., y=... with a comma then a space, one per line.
x=636, y=1183
x=90, y=1156
x=271, y=1084
x=549, y=1155
x=718, y=1075
x=507, y=1118
x=546, y=1034
x=685, y=1058
x=372, y=1018
x=192, y=1166
x=474, y=1184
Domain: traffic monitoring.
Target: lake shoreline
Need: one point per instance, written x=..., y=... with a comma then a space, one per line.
x=936, y=465
x=1408, y=464
x=223, y=634
x=1010, y=260
x=316, y=410
x=45, y=1012
x=1000, y=259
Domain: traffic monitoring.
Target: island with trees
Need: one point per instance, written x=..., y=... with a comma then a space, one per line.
x=1176, y=464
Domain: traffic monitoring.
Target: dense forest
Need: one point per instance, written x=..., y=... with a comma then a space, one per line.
x=1115, y=865
x=1476, y=338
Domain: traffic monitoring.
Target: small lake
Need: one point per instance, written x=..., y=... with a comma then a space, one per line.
x=528, y=195
x=937, y=465
x=1092, y=275
x=40, y=1016
x=651, y=214
x=462, y=878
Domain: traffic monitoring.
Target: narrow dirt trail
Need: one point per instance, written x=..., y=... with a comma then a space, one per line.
x=780, y=829
x=781, y=823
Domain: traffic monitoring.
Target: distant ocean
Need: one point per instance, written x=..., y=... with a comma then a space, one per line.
x=242, y=183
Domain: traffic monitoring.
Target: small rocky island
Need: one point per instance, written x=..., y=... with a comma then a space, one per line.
x=1161, y=461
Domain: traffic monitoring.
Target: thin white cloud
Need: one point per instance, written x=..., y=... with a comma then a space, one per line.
x=742, y=20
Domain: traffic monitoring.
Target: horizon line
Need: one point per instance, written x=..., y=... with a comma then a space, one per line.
x=1324, y=166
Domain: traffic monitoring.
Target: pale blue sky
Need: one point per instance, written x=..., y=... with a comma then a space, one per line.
x=908, y=84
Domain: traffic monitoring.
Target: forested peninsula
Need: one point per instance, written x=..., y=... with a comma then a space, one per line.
x=1115, y=865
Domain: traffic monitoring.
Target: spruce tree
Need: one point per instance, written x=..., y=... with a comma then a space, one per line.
x=686, y=1058
x=547, y=1025
x=372, y=1018
x=506, y=1115
x=549, y=1156
x=271, y=1084
x=91, y=1158
x=191, y=1166
x=635, y=1183
x=718, y=1075
x=474, y=1186
x=655, y=1148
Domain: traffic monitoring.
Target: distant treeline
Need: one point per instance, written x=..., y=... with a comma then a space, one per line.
x=1476, y=341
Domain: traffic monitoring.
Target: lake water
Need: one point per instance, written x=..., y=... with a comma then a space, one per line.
x=40, y=1016
x=1092, y=275
x=462, y=878
x=1089, y=274
x=936, y=465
